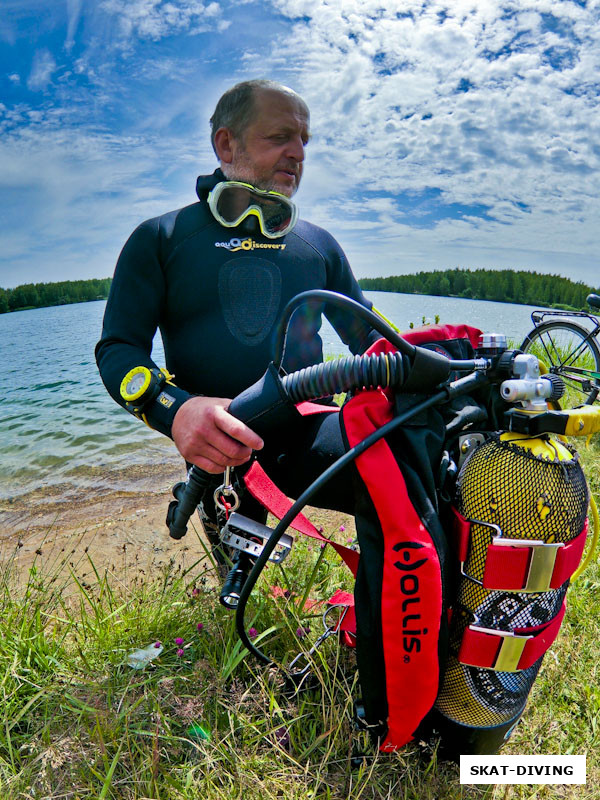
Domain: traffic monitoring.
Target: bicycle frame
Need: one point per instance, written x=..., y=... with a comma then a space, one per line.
x=540, y=315
x=563, y=356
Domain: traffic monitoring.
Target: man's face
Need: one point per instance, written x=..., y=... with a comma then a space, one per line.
x=271, y=152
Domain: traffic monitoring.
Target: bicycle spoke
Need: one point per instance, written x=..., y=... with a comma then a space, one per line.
x=569, y=350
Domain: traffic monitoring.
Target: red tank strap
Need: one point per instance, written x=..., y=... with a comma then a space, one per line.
x=509, y=566
x=517, y=565
x=508, y=651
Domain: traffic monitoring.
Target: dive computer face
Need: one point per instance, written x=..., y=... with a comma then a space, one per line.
x=135, y=384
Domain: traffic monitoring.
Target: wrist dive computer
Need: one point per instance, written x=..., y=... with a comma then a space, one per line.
x=142, y=386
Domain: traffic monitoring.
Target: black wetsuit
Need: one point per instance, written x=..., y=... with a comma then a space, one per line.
x=216, y=294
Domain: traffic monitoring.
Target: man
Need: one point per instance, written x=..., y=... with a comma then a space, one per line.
x=216, y=291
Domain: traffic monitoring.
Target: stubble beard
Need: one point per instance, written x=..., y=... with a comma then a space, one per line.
x=243, y=170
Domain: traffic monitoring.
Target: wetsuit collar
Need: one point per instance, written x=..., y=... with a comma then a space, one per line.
x=207, y=182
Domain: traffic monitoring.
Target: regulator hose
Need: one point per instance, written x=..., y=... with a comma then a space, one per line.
x=341, y=375
x=454, y=389
x=187, y=496
x=341, y=301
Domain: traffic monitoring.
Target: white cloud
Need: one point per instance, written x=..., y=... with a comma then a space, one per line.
x=448, y=133
x=42, y=69
x=73, y=14
x=493, y=105
x=155, y=19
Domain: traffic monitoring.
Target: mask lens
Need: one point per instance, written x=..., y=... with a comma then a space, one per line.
x=276, y=213
x=234, y=201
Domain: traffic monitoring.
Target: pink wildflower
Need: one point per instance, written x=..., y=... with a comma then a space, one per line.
x=252, y=633
x=180, y=652
x=179, y=641
x=200, y=627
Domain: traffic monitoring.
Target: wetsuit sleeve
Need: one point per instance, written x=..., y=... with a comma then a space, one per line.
x=133, y=312
x=354, y=332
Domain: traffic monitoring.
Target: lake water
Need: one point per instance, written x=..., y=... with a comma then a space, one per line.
x=62, y=436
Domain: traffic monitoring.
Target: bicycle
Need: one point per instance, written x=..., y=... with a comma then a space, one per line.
x=570, y=349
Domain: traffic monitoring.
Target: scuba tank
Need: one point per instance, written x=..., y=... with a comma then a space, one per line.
x=521, y=505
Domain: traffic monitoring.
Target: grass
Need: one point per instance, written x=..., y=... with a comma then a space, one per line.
x=204, y=721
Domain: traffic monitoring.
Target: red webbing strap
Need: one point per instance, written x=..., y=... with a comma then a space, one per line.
x=342, y=598
x=507, y=567
x=461, y=530
x=411, y=601
x=262, y=488
x=306, y=409
x=483, y=649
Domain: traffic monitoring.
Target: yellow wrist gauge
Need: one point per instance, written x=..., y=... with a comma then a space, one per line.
x=135, y=384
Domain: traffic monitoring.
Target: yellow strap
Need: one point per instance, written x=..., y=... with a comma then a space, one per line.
x=585, y=563
x=168, y=376
x=385, y=319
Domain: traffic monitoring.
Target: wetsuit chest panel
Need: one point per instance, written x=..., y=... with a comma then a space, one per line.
x=250, y=295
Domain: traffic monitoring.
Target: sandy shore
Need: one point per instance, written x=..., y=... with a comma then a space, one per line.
x=123, y=533
x=120, y=531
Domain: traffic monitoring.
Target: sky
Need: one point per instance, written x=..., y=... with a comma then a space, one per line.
x=445, y=134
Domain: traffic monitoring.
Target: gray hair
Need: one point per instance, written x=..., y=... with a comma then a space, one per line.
x=235, y=108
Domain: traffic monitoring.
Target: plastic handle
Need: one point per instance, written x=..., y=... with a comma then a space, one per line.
x=583, y=421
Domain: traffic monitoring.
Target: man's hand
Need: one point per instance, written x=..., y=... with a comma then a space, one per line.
x=207, y=435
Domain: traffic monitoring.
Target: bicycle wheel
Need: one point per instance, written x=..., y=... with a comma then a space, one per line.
x=568, y=350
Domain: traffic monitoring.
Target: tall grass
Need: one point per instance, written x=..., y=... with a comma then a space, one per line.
x=203, y=720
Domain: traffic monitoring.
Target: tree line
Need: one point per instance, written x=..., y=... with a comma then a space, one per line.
x=39, y=295
x=505, y=286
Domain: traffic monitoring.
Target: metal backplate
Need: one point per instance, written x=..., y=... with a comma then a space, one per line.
x=466, y=445
x=249, y=536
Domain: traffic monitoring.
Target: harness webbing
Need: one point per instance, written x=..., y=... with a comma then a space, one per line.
x=262, y=488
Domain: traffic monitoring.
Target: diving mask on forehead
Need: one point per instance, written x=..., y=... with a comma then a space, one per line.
x=231, y=202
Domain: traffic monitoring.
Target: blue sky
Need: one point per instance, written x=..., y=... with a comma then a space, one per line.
x=448, y=134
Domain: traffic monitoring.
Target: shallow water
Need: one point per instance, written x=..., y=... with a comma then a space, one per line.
x=62, y=436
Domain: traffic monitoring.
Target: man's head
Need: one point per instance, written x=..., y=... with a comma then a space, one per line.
x=259, y=131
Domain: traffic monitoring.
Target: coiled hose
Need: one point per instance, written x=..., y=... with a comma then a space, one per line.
x=344, y=374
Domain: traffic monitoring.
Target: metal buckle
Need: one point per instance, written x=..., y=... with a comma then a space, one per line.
x=494, y=527
x=541, y=565
x=238, y=527
x=329, y=631
x=226, y=490
x=510, y=652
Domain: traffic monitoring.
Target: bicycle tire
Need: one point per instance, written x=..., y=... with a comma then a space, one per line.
x=562, y=346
